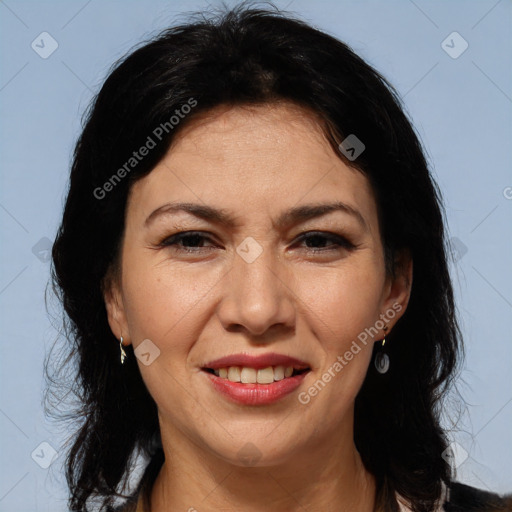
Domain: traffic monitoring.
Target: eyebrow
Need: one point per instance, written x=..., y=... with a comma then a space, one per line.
x=223, y=217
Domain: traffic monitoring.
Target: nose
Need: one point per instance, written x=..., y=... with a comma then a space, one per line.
x=256, y=297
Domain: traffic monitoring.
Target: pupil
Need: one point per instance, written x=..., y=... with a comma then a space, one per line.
x=317, y=238
x=194, y=238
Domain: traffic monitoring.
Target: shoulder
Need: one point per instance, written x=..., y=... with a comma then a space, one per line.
x=464, y=498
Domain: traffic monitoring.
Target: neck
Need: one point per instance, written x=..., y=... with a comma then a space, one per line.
x=319, y=478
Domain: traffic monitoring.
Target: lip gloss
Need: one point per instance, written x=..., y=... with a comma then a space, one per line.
x=256, y=394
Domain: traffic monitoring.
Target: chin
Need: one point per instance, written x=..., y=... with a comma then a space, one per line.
x=252, y=451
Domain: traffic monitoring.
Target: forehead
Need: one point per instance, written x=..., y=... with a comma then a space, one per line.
x=259, y=136
x=254, y=158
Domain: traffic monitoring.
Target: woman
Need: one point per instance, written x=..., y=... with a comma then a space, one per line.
x=252, y=262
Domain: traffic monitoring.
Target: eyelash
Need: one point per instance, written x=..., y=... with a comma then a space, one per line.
x=337, y=240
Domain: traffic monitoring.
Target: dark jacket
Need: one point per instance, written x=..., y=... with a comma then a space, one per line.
x=464, y=498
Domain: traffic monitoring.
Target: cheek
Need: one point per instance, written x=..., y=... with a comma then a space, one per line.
x=167, y=306
x=341, y=303
x=164, y=303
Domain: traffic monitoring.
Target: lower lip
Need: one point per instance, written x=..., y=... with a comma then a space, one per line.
x=256, y=394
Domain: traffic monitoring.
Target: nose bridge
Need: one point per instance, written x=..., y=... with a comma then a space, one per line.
x=257, y=296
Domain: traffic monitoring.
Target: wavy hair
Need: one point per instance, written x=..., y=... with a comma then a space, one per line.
x=249, y=56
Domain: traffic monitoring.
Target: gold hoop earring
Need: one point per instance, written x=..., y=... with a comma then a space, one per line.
x=123, y=353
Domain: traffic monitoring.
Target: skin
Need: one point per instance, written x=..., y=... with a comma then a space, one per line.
x=255, y=162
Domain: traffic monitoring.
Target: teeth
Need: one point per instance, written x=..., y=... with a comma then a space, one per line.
x=234, y=374
x=248, y=375
x=279, y=373
x=265, y=375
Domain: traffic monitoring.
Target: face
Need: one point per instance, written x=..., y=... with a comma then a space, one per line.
x=280, y=256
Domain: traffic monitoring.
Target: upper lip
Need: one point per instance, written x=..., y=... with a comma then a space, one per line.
x=257, y=362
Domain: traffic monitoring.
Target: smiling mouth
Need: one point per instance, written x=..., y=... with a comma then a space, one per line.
x=248, y=375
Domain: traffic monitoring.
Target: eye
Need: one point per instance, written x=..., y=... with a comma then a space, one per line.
x=186, y=241
x=193, y=242
x=319, y=238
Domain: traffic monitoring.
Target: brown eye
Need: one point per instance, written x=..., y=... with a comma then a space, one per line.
x=186, y=241
x=320, y=238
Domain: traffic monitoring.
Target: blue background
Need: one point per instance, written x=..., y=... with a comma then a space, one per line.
x=461, y=107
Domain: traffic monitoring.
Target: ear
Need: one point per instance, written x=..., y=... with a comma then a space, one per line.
x=398, y=287
x=115, y=307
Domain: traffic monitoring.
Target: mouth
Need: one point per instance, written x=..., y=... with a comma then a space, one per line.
x=256, y=379
x=256, y=382
x=251, y=375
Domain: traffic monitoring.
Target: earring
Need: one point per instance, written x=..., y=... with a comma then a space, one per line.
x=123, y=353
x=382, y=359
